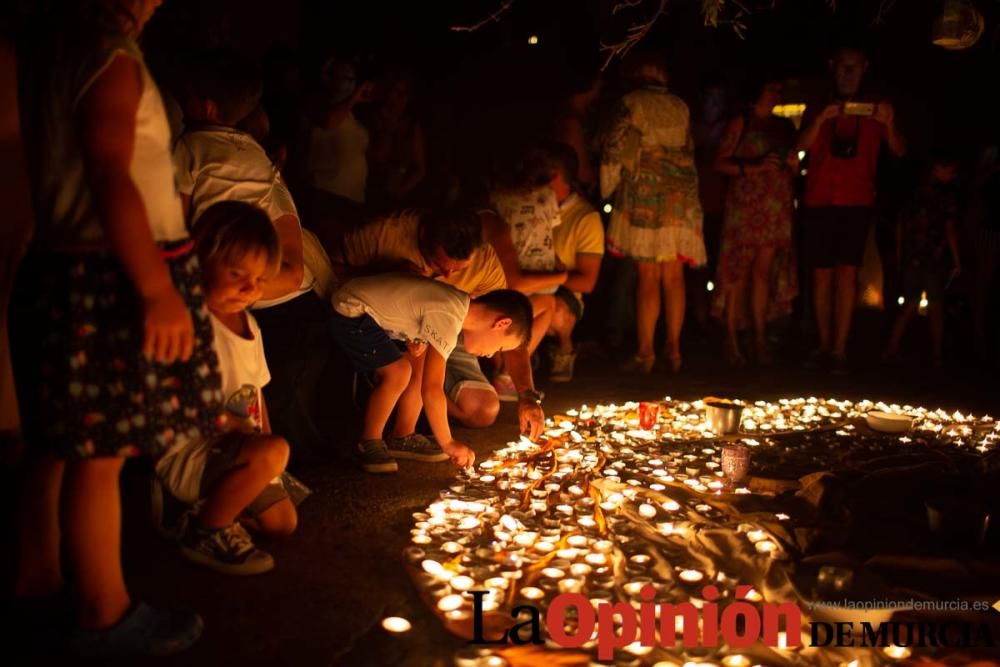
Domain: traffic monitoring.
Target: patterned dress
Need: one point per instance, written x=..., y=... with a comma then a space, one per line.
x=649, y=163
x=758, y=215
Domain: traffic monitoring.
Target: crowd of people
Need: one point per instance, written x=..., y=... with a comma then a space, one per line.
x=205, y=261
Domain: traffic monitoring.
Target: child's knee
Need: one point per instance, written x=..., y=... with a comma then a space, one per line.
x=276, y=453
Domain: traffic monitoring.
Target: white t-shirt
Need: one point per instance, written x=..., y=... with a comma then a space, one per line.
x=216, y=163
x=66, y=214
x=244, y=373
x=409, y=308
x=531, y=217
x=336, y=159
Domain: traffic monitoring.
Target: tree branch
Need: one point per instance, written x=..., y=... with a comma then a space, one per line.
x=634, y=35
x=495, y=16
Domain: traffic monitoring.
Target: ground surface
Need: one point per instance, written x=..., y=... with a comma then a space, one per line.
x=341, y=573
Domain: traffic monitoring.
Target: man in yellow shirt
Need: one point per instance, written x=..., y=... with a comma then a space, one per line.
x=446, y=244
x=579, y=246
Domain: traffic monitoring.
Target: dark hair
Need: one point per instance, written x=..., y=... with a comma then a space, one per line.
x=639, y=64
x=228, y=79
x=755, y=84
x=565, y=159
x=511, y=303
x=457, y=231
x=234, y=229
x=944, y=155
x=522, y=169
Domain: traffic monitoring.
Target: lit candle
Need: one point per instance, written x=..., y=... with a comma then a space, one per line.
x=450, y=602
x=691, y=576
x=532, y=593
x=396, y=624
x=897, y=652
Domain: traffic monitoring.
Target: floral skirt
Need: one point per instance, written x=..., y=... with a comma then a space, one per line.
x=85, y=387
x=657, y=214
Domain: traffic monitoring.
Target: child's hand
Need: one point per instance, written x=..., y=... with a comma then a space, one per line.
x=461, y=456
x=168, y=328
x=416, y=349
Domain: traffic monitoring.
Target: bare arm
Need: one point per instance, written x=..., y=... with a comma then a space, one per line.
x=106, y=128
x=498, y=236
x=811, y=129
x=583, y=278
x=886, y=114
x=432, y=391
x=289, y=278
x=530, y=416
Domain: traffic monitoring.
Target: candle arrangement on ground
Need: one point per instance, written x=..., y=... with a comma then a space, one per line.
x=651, y=514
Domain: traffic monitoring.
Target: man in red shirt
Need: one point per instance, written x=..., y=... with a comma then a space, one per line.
x=843, y=141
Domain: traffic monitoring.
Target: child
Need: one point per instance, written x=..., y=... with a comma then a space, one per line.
x=236, y=471
x=215, y=161
x=925, y=236
x=375, y=315
x=112, y=344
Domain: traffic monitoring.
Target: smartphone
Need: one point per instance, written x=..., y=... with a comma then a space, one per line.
x=859, y=108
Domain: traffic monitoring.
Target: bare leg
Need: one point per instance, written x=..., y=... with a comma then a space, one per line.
x=475, y=408
x=760, y=294
x=279, y=519
x=647, y=303
x=674, y=303
x=733, y=296
x=562, y=325
x=935, y=314
x=847, y=287
x=38, y=571
x=542, y=307
x=261, y=460
x=93, y=523
x=390, y=381
x=899, y=327
x=411, y=402
x=823, y=306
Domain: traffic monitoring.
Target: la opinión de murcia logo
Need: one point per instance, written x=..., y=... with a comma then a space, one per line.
x=573, y=620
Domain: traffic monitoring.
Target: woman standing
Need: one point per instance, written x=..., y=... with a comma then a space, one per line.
x=648, y=162
x=757, y=152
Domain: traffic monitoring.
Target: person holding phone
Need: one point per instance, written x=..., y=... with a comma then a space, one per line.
x=843, y=141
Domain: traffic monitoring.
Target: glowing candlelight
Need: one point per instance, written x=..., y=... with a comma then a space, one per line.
x=450, y=602
x=766, y=547
x=462, y=583
x=396, y=624
x=532, y=593
x=897, y=652
x=691, y=576
x=736, y=660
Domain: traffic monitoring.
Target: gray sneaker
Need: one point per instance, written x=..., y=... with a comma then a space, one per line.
x=229, y=550
x=416, y=447
x=562, y=366
x=375, y=457
x=142, y=631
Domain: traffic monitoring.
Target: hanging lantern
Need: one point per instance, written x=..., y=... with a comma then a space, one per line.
x=959, y=27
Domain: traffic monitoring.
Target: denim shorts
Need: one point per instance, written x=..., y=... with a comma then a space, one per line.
x=364, y=342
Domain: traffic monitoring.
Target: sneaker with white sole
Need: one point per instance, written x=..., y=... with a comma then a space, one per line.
x=416, y=447
x=562, y=366
x=375, y=457
x=504, y=385
x=228, y=550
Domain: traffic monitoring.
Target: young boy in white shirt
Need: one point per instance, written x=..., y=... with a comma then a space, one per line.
x=235, y=476
x=378, y=315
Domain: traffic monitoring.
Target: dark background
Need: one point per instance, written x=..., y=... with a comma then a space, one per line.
x=492, y=82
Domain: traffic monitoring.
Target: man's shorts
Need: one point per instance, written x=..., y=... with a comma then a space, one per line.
x=191, y=473
x=463, y=372
x=571, y=300
x=364, y=342
x=835, y=235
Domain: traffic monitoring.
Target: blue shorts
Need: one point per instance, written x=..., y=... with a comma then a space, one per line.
x=364, y=342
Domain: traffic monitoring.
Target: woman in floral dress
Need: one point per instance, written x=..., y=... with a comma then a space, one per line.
x=757, y=152
x=648, y=163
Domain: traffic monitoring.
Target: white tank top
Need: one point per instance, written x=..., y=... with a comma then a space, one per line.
x=63, y=201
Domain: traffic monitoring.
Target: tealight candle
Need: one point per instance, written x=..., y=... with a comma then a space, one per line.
x=897, y=652
x=532, y=593
x=462, y=583
x=577, y=540
x=553, y=572
x=691, y=576
x=396, y=624
x=580, y=569
x=736, y=660
x=647, y=511
x=766, y=547
x=450, y=602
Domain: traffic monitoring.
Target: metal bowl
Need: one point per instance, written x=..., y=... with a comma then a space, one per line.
x=723, y=418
